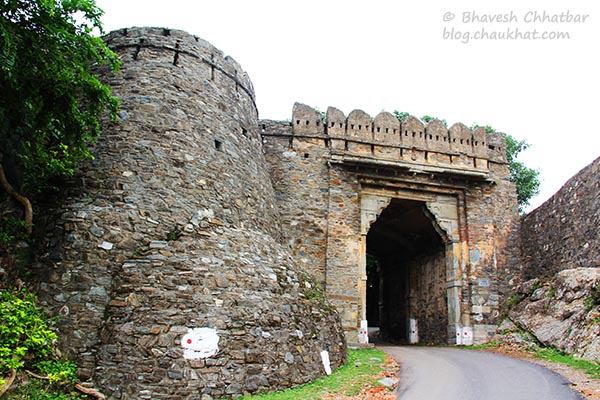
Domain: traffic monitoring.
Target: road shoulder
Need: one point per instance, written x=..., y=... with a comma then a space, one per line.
x=587, y=387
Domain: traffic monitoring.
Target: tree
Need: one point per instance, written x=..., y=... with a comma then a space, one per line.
x=428, y=118
x=526, y=179
x=401, y=115
x=51, y=99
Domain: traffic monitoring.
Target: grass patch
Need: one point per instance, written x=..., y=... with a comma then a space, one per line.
x=512, y=300
x=42, y=390
x=483, y=346
x=350, y=379
x=554, y=355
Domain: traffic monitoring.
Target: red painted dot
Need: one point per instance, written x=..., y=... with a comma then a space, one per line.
x=189, y=341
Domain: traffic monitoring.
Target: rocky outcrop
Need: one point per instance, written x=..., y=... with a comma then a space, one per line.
x=563, y=312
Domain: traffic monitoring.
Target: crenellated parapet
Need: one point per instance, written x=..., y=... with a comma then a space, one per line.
x=386, y=138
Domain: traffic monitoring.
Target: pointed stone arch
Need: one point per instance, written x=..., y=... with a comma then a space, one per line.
x=443, y=211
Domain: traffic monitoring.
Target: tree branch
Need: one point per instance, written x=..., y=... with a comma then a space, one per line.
x=90, y=392
x=36, y=376
x=19, y=197
x=9, y=381
x=78, y=386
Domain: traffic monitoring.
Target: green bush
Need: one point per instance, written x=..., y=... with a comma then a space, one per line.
x=58, y=371
x=26, y=342
x=12, y=229
x=25, y=337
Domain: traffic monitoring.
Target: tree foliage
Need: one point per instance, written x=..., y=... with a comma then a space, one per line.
x=429, y=118
x=526, y=179
x=51, y=98
x=27, y=344
x=401, y=115
x=24, y=333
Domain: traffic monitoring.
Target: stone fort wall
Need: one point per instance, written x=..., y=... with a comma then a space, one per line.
x=173, y=230
x=194, y=214
x=564, y=232
x=323, y=168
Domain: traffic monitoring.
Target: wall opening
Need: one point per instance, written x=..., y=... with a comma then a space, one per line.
x=218, y=144
x=406, y=275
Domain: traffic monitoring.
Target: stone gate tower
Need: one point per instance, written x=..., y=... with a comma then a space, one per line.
x=407, y=225
x=164, y=260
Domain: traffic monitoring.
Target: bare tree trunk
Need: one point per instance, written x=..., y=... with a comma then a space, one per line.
x=20, y=198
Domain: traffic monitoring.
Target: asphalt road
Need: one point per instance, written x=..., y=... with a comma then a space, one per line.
x=457, y=374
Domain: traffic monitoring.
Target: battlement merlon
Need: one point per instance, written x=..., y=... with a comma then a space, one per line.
x=432, y=141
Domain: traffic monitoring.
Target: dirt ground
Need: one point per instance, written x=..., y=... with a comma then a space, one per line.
x=391, y=370
x=587, y=387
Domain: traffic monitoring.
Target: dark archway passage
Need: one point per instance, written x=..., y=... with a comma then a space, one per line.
x=406, y=275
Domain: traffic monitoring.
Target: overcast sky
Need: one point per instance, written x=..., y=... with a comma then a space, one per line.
x=458, y=60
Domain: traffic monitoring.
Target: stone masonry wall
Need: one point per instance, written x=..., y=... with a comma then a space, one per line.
x=429, y=291
x=300, y=175
x=164, y=235
x=564, y=232
x=321, y=167
x=345, y=278
x=494, y=258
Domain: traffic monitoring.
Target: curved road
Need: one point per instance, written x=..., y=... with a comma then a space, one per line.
x=455, y=374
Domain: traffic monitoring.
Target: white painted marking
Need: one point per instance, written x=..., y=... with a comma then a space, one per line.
x=200, y=343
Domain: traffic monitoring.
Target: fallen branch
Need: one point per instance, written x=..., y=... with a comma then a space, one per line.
x=9, y=381
x=78, y=386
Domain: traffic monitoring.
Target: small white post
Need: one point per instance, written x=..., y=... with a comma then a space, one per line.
x=413, y=334
x=326, y=362
x=467, y=336
x=363, y=332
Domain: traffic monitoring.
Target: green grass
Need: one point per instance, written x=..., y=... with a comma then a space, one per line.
x=550, y=354
x=362, y=368
x=554, y=355
x=483, y=346
x=41, y=390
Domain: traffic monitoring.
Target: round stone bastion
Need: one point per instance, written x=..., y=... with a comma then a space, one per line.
x=163, y=258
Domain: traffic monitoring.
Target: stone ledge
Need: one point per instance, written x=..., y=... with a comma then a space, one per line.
x=471, y=174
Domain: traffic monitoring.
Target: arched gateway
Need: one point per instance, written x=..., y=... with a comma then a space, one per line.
x=405, y=224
